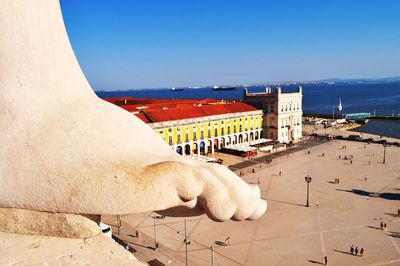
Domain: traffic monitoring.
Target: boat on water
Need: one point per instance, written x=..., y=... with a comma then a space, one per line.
x=177, y=89
x=361, y=120
x=224, y=88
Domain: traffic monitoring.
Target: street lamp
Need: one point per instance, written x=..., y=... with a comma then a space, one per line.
x=308, y=180
x=186, y=242
x=384, y=153
x=155, y=231
x=186, y=246
x=212, y=254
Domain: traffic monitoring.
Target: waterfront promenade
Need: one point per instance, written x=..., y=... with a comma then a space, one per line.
x=340, y=215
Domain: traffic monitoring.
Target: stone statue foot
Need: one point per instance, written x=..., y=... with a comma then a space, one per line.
x=64, y=150
x=213, y=189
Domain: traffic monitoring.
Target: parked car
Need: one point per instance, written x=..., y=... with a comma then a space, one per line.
x=381, y=141
x=105, y=229
x=367, y=140
x=354, y=138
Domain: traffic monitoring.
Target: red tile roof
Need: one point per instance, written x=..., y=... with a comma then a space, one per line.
x=160, y=110
x=142, y=117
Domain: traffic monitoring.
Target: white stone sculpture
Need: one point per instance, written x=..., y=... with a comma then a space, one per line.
x=63, y=150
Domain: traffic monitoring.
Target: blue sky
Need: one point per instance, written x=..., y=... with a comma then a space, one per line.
x=167, y=43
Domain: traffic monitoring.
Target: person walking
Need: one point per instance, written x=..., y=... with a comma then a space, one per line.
x=361, y=252
x=384, y=226
x=356, y=251
x=280, y=172
x=227, y=242
x=381, y=225
x=351, y=249
x=326, y=260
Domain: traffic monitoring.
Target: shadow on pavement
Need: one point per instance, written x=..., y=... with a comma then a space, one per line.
x=393, y=234
x=374, y=227
x=392, y=214
x=316, y=262
x=384, y=195
x=285, y=202
x=220, y=243
x=344, y=252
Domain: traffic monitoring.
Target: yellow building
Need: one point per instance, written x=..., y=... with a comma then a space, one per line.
x=198, y=127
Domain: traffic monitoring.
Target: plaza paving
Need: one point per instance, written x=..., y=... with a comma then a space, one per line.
x=340, y=215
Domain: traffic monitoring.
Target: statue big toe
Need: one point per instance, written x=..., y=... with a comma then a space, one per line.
x=66, y=151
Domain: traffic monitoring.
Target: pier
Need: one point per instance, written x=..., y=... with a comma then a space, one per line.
x=356, y=116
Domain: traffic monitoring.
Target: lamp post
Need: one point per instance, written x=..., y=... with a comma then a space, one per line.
x=186, y=246
x=119, y=223
x=155, y=217
x=155, y=234
x=308, y=181
x=212, y=254
x=384, y=153
x=186, y=242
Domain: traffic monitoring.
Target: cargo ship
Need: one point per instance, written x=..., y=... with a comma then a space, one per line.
x=224, y=88
x=177, y=89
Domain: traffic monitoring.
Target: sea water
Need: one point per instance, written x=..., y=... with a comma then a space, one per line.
x=383, y=99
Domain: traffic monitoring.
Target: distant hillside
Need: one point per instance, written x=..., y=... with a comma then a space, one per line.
x=340, y=80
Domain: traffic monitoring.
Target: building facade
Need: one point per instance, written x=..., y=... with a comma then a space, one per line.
x=282, y=118
x=197, y=127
